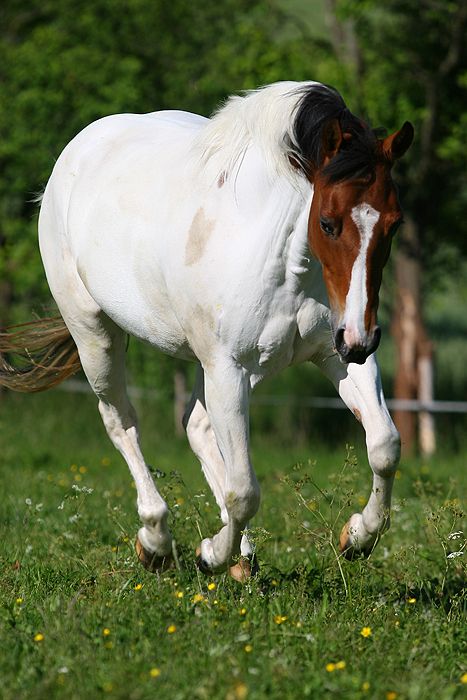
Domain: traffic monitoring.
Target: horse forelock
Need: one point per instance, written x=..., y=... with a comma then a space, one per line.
x=358, y=153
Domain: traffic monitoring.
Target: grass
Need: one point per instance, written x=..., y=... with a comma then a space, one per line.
x=80, y=619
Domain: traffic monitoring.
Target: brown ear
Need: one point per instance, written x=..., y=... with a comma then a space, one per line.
x=395, y=145
x=331, y=139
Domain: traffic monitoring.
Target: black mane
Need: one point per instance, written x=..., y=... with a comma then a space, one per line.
x=357, y=155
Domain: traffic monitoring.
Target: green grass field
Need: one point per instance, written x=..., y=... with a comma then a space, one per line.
x=81, y=619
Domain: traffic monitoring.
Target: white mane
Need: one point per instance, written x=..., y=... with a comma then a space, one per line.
x=264, y=117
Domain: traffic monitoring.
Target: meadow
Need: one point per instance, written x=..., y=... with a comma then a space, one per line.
x=81, y=619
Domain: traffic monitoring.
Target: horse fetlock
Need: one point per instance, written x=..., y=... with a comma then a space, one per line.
x=156, y=541
x=243, y=505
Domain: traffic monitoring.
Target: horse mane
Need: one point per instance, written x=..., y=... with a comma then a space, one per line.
x=285, y=121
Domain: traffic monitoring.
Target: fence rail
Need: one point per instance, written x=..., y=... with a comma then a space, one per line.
x=414, y=406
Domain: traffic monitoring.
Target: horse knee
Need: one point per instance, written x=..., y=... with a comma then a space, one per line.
x=384, y=453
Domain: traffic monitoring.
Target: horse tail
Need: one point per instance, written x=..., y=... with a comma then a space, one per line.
x=43, y=354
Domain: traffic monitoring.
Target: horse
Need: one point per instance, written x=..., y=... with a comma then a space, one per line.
x=246, y=243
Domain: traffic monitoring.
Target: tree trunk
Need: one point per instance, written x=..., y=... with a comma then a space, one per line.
x=412, y=344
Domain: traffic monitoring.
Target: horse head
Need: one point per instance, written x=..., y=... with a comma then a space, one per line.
x=354, y=215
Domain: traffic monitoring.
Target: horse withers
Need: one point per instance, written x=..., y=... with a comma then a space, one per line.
x=246, y=243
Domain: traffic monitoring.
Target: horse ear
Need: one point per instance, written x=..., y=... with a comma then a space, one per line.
x=331, y=139
x=395, y=145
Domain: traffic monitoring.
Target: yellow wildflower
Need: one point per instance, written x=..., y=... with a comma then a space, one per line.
x=279, y=619
x=138, y=586
x=242, y=611
x=365, y=631
x=211, y=586
x=340, y=665
x=198, y=598
x=411, y=600
x=241, y=691
x=365, y=687
x=248, y=648
x=78, y=477
x=39, y=637
x=391, y=695
x=179, y=594
x=464, y=678
x=83, y=470
x=19, y=601
x=155, y=672
x=105, y=632
x=171, y=629
x=330, y=667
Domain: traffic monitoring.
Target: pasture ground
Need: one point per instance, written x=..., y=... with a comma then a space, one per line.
x=80, y=619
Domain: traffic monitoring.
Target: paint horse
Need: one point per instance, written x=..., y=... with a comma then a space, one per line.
x=246, y=243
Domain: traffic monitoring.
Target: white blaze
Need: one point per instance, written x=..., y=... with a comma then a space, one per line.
x=365, y=219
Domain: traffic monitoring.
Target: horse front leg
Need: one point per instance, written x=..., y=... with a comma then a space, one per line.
x=226, y=400
x=360, y=388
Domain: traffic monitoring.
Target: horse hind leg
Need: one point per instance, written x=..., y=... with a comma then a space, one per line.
x=101, y=347
x=204, y=444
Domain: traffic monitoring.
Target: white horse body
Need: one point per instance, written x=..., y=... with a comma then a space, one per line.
x=173, y=258
x=142, y=232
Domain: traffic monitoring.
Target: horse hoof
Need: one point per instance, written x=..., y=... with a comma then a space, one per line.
x=244, y=569
x=348, y=548
x=152, y=561
x=201, y=564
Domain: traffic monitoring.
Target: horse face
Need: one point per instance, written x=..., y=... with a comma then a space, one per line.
x=351, y=226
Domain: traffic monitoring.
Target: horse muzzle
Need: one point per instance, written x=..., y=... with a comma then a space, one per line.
x=356, y=349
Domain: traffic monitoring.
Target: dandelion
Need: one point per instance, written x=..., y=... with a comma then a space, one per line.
x=411, y=601
x=179, y=594
x=74, y=468
x=274, y=582
x=105, y=632
x=464, y=678
x=39, y=637
x=171, y=629
x=83, y=470
x=138, y=586
x=340, y=665
x=78, y=477
x=248, y=648
x=391, y=695
x=105, y=461
x=240, y=691
x=365, y=632
x=18, y=601
x=107, y=687
x=279, y=619
x=198, y=598
x=330, y=667
x=155, y=672
x=365, y=686
x=242, y=611
x=212, y=586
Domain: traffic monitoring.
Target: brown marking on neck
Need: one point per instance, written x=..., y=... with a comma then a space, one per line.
x=222, y=179
x=198, y=236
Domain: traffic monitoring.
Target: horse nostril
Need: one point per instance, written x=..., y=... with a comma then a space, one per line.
x=375, y=341
x=339, y=339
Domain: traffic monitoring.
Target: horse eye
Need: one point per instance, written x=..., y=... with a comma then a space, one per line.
x=327, y=227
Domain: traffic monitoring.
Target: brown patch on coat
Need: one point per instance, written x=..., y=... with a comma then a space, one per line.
x=198, y=236
x=222, y=179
